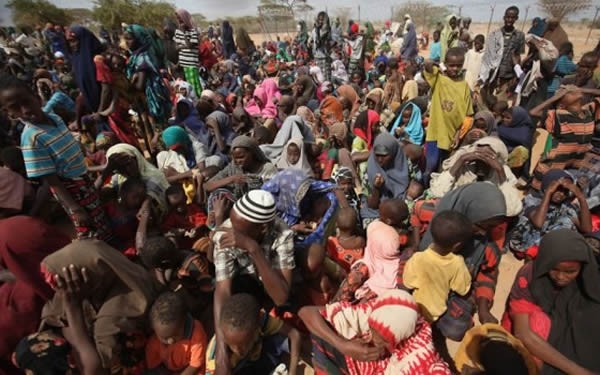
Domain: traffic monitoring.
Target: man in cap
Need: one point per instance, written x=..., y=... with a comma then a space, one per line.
x=253, y=253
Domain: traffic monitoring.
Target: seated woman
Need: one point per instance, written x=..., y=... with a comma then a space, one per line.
x=248, y=170
x=484, y=160
x=220, y=136
x=293, y=127
x=551, y=209
x=114, y=291
x=384, y=335
x=554, y=304
x=483, y=204
x=571, y=125
x=365, y=129
x=408, y=125
x=23, y=291
x=516, y=131
x=481, y=125
x=336, y=153
x=386, y=177
x=125, y=161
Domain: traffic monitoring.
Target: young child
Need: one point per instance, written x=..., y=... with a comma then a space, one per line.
x=473, y=61
x=451, y=102
x=255, y=340
x=54, y=156
x=410, y=89
x=347, y=247
x=435, y=49
x=182, y=220
x=294, y=157
x=122, y=215
x=553, y=209
x=179, y=341
x=438, y=270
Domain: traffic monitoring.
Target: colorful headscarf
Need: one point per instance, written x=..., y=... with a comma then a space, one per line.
x=365, y=126
x=414, y=128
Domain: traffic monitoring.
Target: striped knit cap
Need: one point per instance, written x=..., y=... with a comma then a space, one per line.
x=256, y=206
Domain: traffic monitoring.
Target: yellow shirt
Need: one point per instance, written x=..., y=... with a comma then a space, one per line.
x=433, y=276
x=451, y=102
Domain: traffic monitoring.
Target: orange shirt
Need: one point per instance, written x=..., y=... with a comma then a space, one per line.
x=190, y=351
x=342, y=256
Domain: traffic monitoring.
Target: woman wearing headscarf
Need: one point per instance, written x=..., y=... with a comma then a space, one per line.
x=483, y=204
x=348, y=93
x=374, y=100
x=118, y=294
x=409, y=124
x=84, y=46
x=383, y=336
x=23, y=291
x=554, y=304
x=538, y=26
x=187, y=40
x=262, y=103
x=248, y=170
x=338, y=155
x=365, y=129
x=331, y=111
x=142, y=70
x=449, y=35
x=294, y=157
x=516, y=131
x=301, y=201
x=227, y=39
x=386, y=177
x=304, y=90
x=293, y=127
x=409, y=48
x=244, y=44
x=484, y=160
x=220, y=135
x=126, y=161
x=321, y=40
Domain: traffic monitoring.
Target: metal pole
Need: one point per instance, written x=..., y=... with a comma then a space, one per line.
x=492, y=7
x=359, y=15
x=592, y=25
x=525, y=19
x=459, y=11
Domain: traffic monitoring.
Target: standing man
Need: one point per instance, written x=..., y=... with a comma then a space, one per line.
x=497, y=73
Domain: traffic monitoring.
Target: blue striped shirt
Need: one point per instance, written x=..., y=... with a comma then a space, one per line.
x=51, y=149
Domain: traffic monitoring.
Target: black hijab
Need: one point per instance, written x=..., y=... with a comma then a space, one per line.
x=573, y=309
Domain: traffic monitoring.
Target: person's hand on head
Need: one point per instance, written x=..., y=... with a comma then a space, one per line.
x=233, y=238
x=71, y=283
x=571, y=186
x=554, y=185
x=221, y=206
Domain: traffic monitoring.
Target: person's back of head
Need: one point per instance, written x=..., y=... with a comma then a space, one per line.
x=159, y=252
x=346, y=219
x=501, y=358
x=132, y=193
x=450, y=230
x=393, y=212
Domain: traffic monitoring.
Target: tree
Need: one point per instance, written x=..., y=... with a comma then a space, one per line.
x=112, y=13
x=37, y=13
x=560, y=8
x=423, y=13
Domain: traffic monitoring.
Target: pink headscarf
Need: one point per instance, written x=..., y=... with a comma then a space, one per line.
x=266, y=93
x=186, y=17
x=381, y=257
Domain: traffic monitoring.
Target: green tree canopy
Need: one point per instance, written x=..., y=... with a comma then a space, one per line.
x=424, y=14
x=33, y=13
x=112, y=13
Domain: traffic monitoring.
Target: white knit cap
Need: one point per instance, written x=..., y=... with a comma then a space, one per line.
x=256, y=206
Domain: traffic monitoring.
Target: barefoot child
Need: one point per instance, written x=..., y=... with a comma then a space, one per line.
x=438, y=270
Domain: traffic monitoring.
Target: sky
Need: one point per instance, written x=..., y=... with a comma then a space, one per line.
x=372, y=10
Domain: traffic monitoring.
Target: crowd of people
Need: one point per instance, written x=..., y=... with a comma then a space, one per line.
x=352, y=190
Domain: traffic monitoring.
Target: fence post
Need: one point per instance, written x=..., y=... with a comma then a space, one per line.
x=592, y=25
